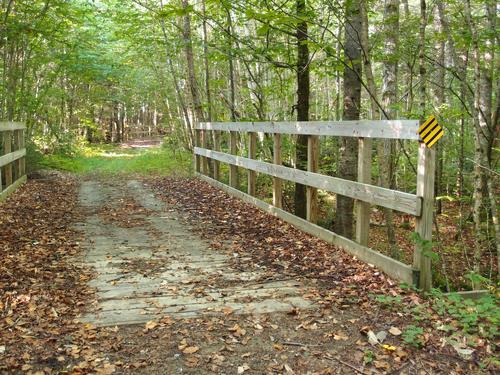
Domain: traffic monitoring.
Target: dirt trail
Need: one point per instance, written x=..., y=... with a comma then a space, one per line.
x=149, y=264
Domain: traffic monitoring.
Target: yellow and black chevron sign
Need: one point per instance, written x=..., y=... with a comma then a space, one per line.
x=430, y=131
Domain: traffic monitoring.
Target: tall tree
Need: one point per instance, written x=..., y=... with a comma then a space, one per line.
x=303, y=93
x=343, y=224
x=386, y=148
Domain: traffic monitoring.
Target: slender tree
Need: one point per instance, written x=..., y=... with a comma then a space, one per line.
x=343, y=224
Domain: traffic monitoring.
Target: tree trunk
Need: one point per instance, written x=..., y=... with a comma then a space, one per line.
x=303, y=82
x=386, y=147
x=343, y=224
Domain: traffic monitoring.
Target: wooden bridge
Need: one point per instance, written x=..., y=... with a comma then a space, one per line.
x=420, y=205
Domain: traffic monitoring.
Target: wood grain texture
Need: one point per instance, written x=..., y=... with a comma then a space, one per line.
x=233, y=169
x=197, y=158
x=216, y=137
x=393, y=199
x=277, y=183
x=425, y=190
x=7, y=126
x=365, y=177
x=7, y=159
x=390, y=129
x=11, y=188
x=312, y=166
x=391, y=267
x=252, y=154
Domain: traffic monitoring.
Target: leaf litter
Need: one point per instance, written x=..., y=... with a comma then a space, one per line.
x=43, y=292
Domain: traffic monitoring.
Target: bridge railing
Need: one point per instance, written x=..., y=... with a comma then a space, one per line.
x=420, y=205
x=12, y=157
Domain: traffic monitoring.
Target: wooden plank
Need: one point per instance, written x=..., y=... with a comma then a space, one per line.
x=8, y=126
x=277, y=183
x=470, y=294
x=15, y=164
x=391, y=267
x=216, y=136
x=312, y=166
x=197, y=143
x=7, y=149
x=425, y=189
x=22, y=145
x=391, y=129
x=11, y=188
x=233, y=149
x=393, y=199
x=252, y=154
x=365, y=177
x=204, y=161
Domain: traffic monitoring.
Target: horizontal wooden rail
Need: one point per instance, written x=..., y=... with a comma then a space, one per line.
x=393, y=199
x=389, y=129
x=391, y=267
x=7, y=126
x=13, y=156
x=11, y=188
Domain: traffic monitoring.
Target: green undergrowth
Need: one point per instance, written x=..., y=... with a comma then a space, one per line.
x=466, y=324
x=114, y=160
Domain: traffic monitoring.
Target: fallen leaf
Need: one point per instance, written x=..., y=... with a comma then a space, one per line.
x=243, y=368
x=395, y=331
x=190, y=349
x=150, y=326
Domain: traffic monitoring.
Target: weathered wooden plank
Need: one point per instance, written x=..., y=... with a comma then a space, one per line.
x=252, y=154
x=393, y=199
x=391, y=267
x=216, y=137
x=204, y=161
x=16, y=147
x=11, y=157
x=312, y=166
x=7, y=149
x=197, y=158
x=22, y=145
x=470, y=294
x=10, y=126
x=11, y=188
x=365, y=177
x=391, y=129
x=277, y=184
x=234, y=180
x=425, y=189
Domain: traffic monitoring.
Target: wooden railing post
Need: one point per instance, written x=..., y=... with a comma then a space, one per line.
x=277, y=184
x=216, y=136
x=16, y=164
x=312, y=166
x=204, y=161
x=7, y=149
x=197, y=158
x=22, y=144
x=233, y=169
x=365, y=177
x=252, y=154
x=425, y=190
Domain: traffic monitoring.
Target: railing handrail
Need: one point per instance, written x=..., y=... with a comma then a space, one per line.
x=387, y=129
x=6, y=126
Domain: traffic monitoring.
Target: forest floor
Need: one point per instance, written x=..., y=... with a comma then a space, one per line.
x=69, y=242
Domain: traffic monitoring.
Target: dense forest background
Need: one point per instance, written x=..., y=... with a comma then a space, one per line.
x=105, y=71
